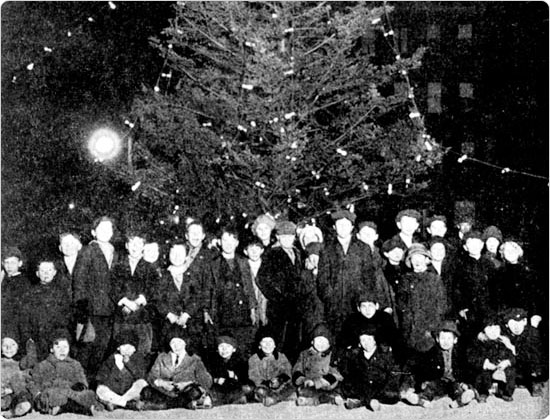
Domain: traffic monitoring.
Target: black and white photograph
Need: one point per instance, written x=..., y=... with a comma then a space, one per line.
x=274, y=210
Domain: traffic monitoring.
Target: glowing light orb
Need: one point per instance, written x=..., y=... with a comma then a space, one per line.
x=104, y=144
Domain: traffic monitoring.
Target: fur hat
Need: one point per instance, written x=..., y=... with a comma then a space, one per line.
x=343, y=214
x=226, y=339
x=263, y=332
x=285, y=227
x=517, y=314
x=447, y=325
x=266, y=219
x=437, y=217
x=392, y=243
x=491, y=232
x=414, y=250
x=321, y=330
x=127, y=337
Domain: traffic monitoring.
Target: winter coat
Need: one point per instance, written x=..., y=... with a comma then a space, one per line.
x=430, y=365
x=394, y=275
x=448, y=278
x=13, y=290
x=191, y=368
x=314, y=365
x=120, y=381
x=422, y=304
x=142, y=282
x=46, y=308
x=529, y=351
x=13, y=376
x=342, y=277
x=220, y=368
x=199, y=274
x=515, y=286
x=493, y=350
x=248, y=284
x=233, y=301
x=92, y=281
x=262, y=368
x=54, y=373
x=364, y=378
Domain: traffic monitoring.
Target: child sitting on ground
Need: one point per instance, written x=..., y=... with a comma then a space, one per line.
x=492, y=361
x=121, y=378
x=315, y=374
x=58, y=384
x=15, y=396
x=270, y=371
x=230, y=373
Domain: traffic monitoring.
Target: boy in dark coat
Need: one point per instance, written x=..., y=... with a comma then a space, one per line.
x=492, y=360
x=315, y=373
x=269, y=370
x=134, y=283
x=14, y=287
x=492, y=237
x=70, y=246
x=121, y=377
x=441, y=370
x=47, y=307
x=407, y=222
x=394, y=251
x=345, y=270
x=94, y=297
x=443, y=265
x=229, y=372
x=531, y=365
x=59, y=385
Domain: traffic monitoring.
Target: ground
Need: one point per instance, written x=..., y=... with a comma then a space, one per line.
x=523, y=407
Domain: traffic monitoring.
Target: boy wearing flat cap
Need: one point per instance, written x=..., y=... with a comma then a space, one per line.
x=441, y=370
x=121, y=378
x=531, y=365
x=492, y=237
x=421, y=301
x=345, y=270
x=229, y=372
x=407, y=222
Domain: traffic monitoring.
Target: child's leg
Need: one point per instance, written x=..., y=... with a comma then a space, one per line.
x=135, y=390
x=106, y=395
x=483, y=382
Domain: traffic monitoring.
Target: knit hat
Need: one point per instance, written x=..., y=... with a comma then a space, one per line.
x=517, y=314
x=321, y=330
x=492, y=232
x=226, y=339
x=265, y=219
x=285, y=227
x=265, y=331
x=127, y=337
x=448, y=325
x=393, y=243
x=473, y=234
x=437, y=217
x=408, y=213
x=414, y=250
x=343, y=214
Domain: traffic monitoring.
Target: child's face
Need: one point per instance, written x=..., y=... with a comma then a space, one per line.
x=492, y=245
x=151, y=252
x=446, y=340
x=263, y=232
x=69, y=245
x=321, y=344
x=225, y=350
x=46, y=272
x=419, y=263
x=492, y=331
x=60, y=349
x=126, y=350
x=9, y=347
x=177, y=345
x=395, y=255
x=367, y=342
x=368, y=309
x=464, y=227
x=267, y=345
x=517, y=327
x=254, y=252
x=367, y=235
x=195, y=235
x=135, y=246
x=437, y=250
x=286, y=241
x=12, y=265
x=104, y=231
x=474, y=246
x=177, y=255
x=343, y=228
x=437, y=228
x=511, y=253
x=229, y=243
x=408, y=225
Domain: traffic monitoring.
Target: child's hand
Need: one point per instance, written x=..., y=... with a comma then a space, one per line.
x=126, y=310
x=487, y=365
x=231, y=374
x=464, y=313
x=183, y=318
x=388, y=310
x=309, y=383
x=208, y=318
x=503, y=364
x=180, y=386
x=535, y=321
x=506, y=341
x=220, y=381
x=274, y=383
x=172, y=318
x=6, y=390
x=164, y=384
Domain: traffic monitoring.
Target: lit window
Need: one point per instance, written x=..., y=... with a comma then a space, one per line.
x=465, y=31
x=434, y=98
x=466, y=90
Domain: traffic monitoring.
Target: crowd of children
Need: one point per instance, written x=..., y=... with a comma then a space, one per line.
x=272, y=315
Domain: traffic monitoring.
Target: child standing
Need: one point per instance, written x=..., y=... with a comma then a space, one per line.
x=407, y=222
x=315, y=374
x=269, y=370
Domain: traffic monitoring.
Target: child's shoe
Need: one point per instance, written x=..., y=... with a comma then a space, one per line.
x=352, y=403
x=482, y=398
x=22, y=408
x=538, y=390
x=467, y=397
x=302, y=401
x=135, y=405
x=374, y=405
x=269, y=401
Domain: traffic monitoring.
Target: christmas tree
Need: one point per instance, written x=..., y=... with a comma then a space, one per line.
x=278, y=107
